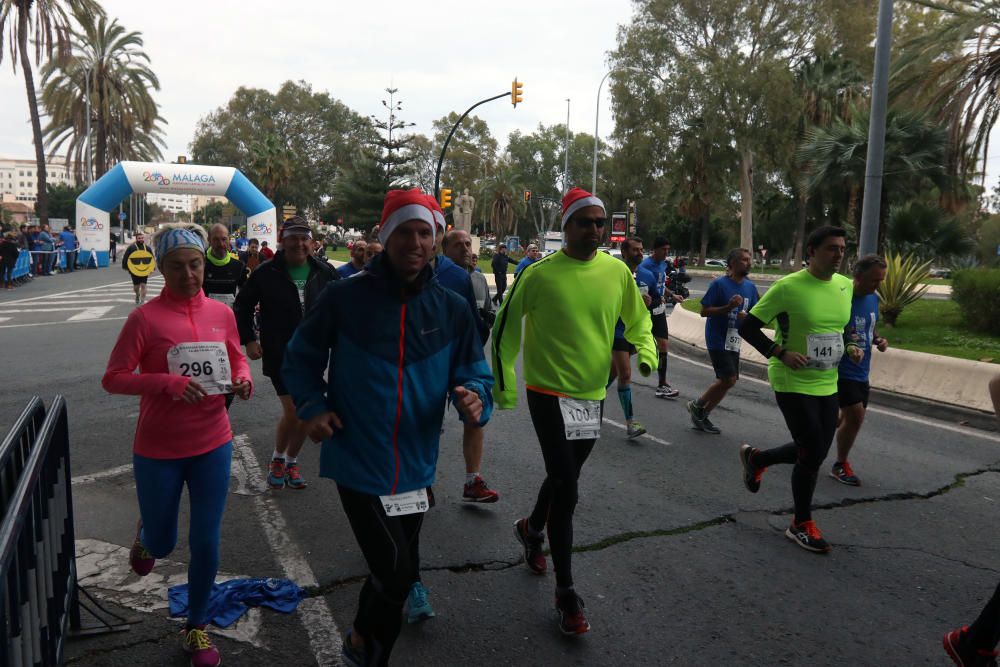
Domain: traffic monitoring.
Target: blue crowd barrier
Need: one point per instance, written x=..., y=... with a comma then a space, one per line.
x=22, y=266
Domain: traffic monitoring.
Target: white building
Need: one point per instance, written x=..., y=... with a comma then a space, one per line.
x=19, y=178
x=174, y=203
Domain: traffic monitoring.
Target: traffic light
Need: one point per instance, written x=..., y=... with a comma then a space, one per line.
x=182, y=159
x=445, y=198
x=527, y=196
x=515, y=92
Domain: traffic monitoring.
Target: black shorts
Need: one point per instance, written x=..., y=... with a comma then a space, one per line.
x=660, y=326
x=725, y=363
x=622, y=345
x=138, y=280
x=852, y=392
x=279, y=385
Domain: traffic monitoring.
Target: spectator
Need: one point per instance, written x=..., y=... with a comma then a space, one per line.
x=9, y=252
x=70, y=246
x=265, y=252
x=251, y=256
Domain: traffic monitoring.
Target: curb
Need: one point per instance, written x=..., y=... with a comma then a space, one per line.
x=770, y=278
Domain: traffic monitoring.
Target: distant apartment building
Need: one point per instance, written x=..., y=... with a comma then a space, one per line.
x=19, y=178
x=174, y=203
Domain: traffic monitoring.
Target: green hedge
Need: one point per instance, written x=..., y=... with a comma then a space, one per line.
x=977, y=292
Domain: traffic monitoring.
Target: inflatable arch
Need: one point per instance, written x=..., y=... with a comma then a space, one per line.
x=93, y=206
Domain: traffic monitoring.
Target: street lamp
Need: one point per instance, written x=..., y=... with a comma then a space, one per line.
x=597, y=116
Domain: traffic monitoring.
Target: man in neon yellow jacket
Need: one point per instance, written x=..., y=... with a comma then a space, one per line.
x=570, y=302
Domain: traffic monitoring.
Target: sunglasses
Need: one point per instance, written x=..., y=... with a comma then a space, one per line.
x=583, y=223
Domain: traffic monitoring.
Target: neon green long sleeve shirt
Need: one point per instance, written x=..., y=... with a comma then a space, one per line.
x=570, y=308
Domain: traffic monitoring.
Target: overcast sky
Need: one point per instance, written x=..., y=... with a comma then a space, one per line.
x=440, y=61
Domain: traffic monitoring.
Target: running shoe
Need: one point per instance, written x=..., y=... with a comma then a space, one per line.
x=956, y=645
x=843, y=473
x=140, y=560
x=477, y=491
x=276, y=474
x=417, y=607
x=666, y=391
x=352, y=655
x=293, y=478
x=533, y=556
x=807, y=536
x=571, y=619
x=199, y=646
x=751, y=473
x=708, y=427
x=634, y=430
x=697, y=415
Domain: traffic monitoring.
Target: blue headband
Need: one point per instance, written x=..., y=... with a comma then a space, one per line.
x=172, y=239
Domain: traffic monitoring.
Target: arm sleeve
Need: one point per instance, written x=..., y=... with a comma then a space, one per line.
x=750, y=331
x=637, y=328
x=246, y=302
x=468, y=366
x=307, y=357
x=507, y=343
x=120, y=376
x=763, y=312
x=128, y=251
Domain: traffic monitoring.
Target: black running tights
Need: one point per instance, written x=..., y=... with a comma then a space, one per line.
x=557, y=497
x=812, y=421
x=985, y=632
x=390, y=546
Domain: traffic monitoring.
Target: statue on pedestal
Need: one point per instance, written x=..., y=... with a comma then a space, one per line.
x=462, y=214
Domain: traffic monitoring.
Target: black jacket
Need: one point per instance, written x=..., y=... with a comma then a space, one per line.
x=272, y=288
x=224, y=279
x=499, y=264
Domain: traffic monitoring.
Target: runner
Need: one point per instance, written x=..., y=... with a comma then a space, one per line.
x=374, y=248
x=531, y=255
x=223, y=273
x=381, y=445
x=265, y=252
x=725, y=305
x=251, y=256
x=570, y=302
x=357, y=262
x=284, y=287
x=658, y=265
x=852, y=384
x=138, y=260
x=812, y=309
x=499, y=264
x=621, y=349
x=187, y=351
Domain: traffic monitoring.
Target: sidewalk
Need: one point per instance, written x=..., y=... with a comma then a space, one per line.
x=768, y=278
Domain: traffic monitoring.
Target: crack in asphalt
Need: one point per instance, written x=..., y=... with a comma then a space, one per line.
x=621, y=538
x=920, y=551
x=122, y=647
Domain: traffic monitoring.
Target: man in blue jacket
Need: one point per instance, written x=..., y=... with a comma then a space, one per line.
x=381, y=434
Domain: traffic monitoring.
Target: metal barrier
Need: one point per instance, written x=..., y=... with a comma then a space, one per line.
x=38, y=602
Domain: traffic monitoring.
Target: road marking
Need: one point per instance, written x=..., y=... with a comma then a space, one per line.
x=970, y=432
x=104, y=474
x=157, y=281
x=4, y=319
x=8, y=311
x=324, y=637
x=90, y=313
x=103, y=568
x=645, y=435
x=49, y=324
x=110, y=298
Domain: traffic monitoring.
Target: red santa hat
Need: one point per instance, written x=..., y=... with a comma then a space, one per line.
x=576, y=199
x=401, y=206
x=438, y=213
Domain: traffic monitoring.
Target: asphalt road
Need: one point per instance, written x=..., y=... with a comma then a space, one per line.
x=677, y=562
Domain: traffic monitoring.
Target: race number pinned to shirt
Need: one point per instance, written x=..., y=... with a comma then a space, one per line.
x=733, y=340
x=228, y=299
x=581, y=419
x=208, y=363
x=824, y=350
x=411, y=502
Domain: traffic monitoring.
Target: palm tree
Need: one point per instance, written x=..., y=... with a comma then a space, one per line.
x=271, y=164
x=45, y=23
x=499, y=192
x=125, y=118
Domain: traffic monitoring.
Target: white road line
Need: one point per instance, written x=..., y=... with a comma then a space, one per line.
x=970, y=432
x=94, y=313
x=324, y=637
x=49, y=324
x=4, y=319
x=110, y=298
x=647, y=435
x=7, y=311
x=104, y=474
x=152, y=282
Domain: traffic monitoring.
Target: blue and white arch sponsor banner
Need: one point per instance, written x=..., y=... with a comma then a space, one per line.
x=93, y=207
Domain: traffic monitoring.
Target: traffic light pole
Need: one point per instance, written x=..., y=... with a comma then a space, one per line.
x=437, y=174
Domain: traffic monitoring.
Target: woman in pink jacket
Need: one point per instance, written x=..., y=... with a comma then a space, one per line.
x=187, y=351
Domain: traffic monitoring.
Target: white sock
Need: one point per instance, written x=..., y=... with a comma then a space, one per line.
x=289, y=460
x=278, y=455
x=470, y=477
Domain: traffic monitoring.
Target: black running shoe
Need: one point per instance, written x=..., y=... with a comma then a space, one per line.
x=956, y=645
x=807, y=536
x=751, y=473
x=697, y=415
x=571, y=619
x=708, y=427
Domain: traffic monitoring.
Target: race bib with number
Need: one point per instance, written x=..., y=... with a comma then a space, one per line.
x=733, y=340
x=824, y=350
x=228, y=299
x=659, y=310
x=208, y=363
x=411, y=502
x=581, y=419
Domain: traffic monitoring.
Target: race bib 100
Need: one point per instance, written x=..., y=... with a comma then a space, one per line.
x=581, y=419
x=824, y=350
x=208, y=363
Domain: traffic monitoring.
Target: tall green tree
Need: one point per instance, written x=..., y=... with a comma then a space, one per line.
x=46, y=24
x=124, y=118
x=471, y=156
